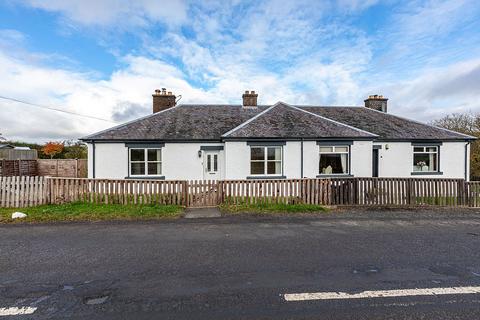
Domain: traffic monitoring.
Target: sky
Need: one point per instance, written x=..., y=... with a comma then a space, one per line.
x=104, y=58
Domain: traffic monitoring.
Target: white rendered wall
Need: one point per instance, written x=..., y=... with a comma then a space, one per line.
x=238, y=159
x=362, y=158
x=111, y=161
x=396, y=160
x=180, y=161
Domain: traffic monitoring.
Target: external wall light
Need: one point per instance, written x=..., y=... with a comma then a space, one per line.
x=199, y=153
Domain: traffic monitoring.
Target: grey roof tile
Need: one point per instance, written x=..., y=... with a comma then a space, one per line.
x=183, y=122
x=211, y=122
x=385, y=125
x=284, y=121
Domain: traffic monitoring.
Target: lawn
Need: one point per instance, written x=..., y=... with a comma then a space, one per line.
x=273, y=208
x=91, y=212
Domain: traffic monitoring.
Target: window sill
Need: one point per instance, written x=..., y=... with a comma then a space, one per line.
x=427, y=173
x=145, y=178
x=335, y=176
x=265, y=177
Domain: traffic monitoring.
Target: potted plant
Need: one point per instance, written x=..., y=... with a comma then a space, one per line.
x=422, y=165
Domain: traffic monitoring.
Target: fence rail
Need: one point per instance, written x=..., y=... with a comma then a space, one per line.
x=27, y=191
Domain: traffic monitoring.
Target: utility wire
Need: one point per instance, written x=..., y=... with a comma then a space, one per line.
x=55, y=109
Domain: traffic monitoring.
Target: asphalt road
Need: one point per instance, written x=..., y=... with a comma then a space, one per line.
x=240, y=268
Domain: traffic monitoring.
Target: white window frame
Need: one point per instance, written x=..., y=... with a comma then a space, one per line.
x=436, y=153
x=214, y=156
x=334, y=151
x=266, y=161
x=145, y=162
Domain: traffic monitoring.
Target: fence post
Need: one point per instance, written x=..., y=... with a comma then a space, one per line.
x=219, y=192
x=409, y=191
x=49, y=190
x=185, y=193
x=461, y=192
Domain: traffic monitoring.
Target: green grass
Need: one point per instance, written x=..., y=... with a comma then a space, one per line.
x=90, y=212
x=272, y=208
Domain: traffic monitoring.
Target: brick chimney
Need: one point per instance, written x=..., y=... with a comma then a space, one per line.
x=249, y=99
x=376, y=102
x=163, y=100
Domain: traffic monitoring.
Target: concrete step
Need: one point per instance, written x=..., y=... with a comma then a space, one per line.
x=210, y=212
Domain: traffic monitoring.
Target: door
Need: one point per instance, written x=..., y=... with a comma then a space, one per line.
x=211, y=165
x=375, y=163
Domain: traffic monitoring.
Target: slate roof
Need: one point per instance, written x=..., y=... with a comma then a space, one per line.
x=386, y=126
x=284, y=121
x=183, y=122
x=217, y=122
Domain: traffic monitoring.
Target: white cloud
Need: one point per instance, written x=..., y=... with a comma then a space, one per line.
x=112, y=12
x=285, y=51
x=437, y=91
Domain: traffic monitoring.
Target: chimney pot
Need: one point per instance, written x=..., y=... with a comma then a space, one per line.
x=376, y=102
x=162, y=100
x=250, y=99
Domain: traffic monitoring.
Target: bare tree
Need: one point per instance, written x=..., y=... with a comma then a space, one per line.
x=467, y=123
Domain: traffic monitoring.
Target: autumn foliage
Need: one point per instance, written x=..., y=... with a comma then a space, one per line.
x=52, y=148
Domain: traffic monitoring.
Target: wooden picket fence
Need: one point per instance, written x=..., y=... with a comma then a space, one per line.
x=23, y=191
x=32, y=191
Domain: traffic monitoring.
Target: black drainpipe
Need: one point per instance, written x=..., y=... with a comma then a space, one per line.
x=466, y=160
x=93, y=159
x=301, y=158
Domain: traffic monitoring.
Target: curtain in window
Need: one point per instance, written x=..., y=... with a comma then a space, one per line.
x=344, y=163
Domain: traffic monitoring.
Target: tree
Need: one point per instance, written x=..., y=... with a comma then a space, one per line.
x=52, y=148
x=1, y=137
x=466, y=123
x=75, y=150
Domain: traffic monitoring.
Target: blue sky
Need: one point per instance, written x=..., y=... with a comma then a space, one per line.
x=105, y=58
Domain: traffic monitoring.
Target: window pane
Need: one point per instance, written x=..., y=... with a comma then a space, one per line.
x=257, y=153
x=326, y=149
x=418, y=149
x=333, y=163
x=215, y=162
x=425, y=162
x=137, y=154
x=154, y=155
x=341, y=149
x=209, y=163
x=274, y=153
x=431, y=149
x=155, y=168
x=274, y=167
x=138, y=168
x=257, y=167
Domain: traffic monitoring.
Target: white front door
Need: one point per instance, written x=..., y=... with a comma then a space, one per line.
x=211, y=165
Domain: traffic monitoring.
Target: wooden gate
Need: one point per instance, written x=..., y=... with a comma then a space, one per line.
x=203, y=193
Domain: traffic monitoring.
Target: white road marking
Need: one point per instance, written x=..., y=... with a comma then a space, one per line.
x=15, y=311
x=380, y=293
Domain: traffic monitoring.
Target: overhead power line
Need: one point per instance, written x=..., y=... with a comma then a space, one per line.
x=55, y=109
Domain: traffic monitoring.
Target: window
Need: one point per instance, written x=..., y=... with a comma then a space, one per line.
x=334, y=159
x=212, y=163
x=425, y=159
x=266, y=160
x=145, y=162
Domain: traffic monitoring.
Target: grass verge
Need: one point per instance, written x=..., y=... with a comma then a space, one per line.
x=90, y=212
x=272, y=208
